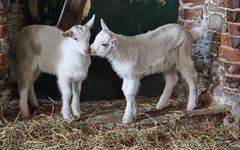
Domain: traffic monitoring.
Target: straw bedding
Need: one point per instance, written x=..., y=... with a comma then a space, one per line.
x=100, y=128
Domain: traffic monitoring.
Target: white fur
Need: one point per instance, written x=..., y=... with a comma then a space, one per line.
x=166, y=49
x=41, y=48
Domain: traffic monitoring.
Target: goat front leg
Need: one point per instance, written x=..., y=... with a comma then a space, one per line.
x=76, y=89
x=130, y=88
x=65, y=88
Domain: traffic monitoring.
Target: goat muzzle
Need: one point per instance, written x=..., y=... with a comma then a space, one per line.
x=88, y=51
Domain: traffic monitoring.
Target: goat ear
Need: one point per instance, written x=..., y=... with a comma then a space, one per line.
x=103, y=25
x=89, y=24
x=68, y=33
x=113, y=42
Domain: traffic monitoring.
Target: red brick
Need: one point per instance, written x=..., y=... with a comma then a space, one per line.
x=230, y=4
x=3, y=70
x=215, y=46
x=216, y=37
x=3, y=31
x=233, y=16
x=231, y=81
x=3, y=58
x=230, y=41
x=228, y=53
x=3, y=19
x=233, y=29
x=3, y=6
x=190, y=14
x=192, y=1
x=231, y=68
x=20, y=10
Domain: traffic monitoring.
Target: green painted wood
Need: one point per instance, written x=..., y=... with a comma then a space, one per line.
x=131, y=17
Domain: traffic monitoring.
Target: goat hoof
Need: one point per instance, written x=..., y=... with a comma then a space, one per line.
x=39, y=109
x=36, y=106
x=161, y=106
x=128, y=119
x=77, y=114
x=68, y=117
x=25, y=113
x=190, y=107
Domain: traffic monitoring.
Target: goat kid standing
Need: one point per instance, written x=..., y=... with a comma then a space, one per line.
x=166, y=49
x=42, y=48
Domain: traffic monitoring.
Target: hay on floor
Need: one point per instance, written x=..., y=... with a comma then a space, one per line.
x=100, y=128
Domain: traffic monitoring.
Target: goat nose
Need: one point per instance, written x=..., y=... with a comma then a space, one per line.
x=88, y=50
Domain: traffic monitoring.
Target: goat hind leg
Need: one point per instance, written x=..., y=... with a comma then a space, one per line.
x=25, y=79
x=171, y=79
x=191, y=80
x=23, y=101
x=186, y=67
x=190, y=75
x=31, y=95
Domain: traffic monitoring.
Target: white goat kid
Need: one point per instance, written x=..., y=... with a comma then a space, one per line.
x=41, y=48
x=166, y=49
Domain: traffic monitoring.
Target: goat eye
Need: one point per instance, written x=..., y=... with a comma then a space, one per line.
x=104, y=44
x=76, y=39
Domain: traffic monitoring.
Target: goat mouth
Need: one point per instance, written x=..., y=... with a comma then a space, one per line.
x=92, y=53
x=84, y=54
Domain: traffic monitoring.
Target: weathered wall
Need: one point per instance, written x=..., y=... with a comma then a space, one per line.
x=11, y=20
x=3, y=37
x=191, y=13
x=4, y=89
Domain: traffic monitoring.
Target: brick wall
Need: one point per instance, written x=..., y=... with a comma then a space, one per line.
x=217, y=53
x=229, y=51
x=228, y=92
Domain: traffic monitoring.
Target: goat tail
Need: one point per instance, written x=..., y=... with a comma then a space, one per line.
x=197, y=32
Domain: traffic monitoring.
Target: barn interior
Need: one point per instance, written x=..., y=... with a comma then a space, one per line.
x=214, y=124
